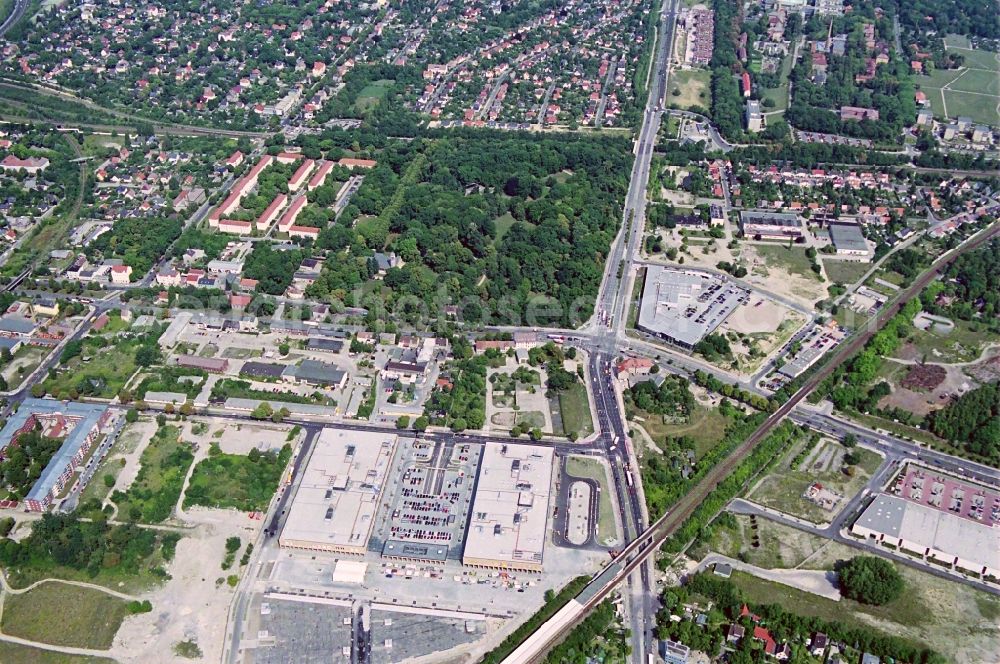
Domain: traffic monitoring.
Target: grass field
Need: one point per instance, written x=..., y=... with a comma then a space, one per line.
x=844, y=272
x=13, y=653
x=973, y=90
x=51, y=613
x=963, y=344
x=693, y=88
x=705, y=427
x=372, y=94
x=790, y=259
x=110, y=366
x=779, y=95
x=595, y=470
x=503, y=224
x=779, y=547
x=575, y=409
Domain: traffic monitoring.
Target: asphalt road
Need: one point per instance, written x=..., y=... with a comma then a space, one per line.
x=20, y=6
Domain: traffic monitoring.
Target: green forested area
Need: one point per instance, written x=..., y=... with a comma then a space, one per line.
x=60, y=540
x=972, y=421
x=138, y=242
x=434, y=203
x=891, y=91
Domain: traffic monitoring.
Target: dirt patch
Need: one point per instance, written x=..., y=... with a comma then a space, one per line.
x=918, y=403
x=924, y=377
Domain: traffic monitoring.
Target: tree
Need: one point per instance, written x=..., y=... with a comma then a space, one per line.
x=850, y=440
x=283, y=348
x=420, y=424
x=870, y=580
x=403, y=421
x=131, y=415
x=263, y=411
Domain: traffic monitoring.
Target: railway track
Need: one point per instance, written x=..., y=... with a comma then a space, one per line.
x=646, y=544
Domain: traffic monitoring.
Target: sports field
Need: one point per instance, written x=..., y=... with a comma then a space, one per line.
x=972, y=91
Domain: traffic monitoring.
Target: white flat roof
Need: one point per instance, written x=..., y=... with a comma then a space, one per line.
x=511, y=506
x=931, y=528
x=337, y=499
x=685, y=305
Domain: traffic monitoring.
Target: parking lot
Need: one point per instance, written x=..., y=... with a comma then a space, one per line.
x=429, y=493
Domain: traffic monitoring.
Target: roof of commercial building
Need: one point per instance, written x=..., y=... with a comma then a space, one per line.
x=89, y=415
x=782, y=219
x=329, y=345
x=685, y=305
x=262, y=369
x=17, y=325
x=206, y=363
x=316, y=372
x=338, y=497
x=932, y=528
x=510, y=509
x=848, y=237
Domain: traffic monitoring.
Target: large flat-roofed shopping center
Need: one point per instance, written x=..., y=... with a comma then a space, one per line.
x=335, y=504
x=368, y=493
x=508, y=524
x=683, y=306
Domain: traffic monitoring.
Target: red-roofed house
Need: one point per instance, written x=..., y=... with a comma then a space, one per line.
x=299, y=178
x=267, y=217
x=288, y=219
x=235, y=159
x=121, y=274
x=30, y=165
x=745, y=83
x=634, y=366
x=239, y=301
x=761, y=634
x=352, y=163
x=319, y=177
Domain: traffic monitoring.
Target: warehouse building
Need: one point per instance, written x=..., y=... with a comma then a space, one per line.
x=770, y=225
x=510, y=509
x=931, y=533
x=314, y=372
x=682, y=306
x=849, y=240
x=334, y=507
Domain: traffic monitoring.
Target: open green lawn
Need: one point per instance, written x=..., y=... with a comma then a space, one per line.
x=973, y=90
x=791, y=259
x=372, y=94
x=705, y=427
x=777, y=546
x=844, y=272
x=14, y=653
x=65, y=615
x=155, y=491
x=503, y=224
x=575, y=409
x=578, y=466
x=779, y=95
x=692, y=86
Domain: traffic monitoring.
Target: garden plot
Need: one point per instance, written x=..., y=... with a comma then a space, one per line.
x=516, y=394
